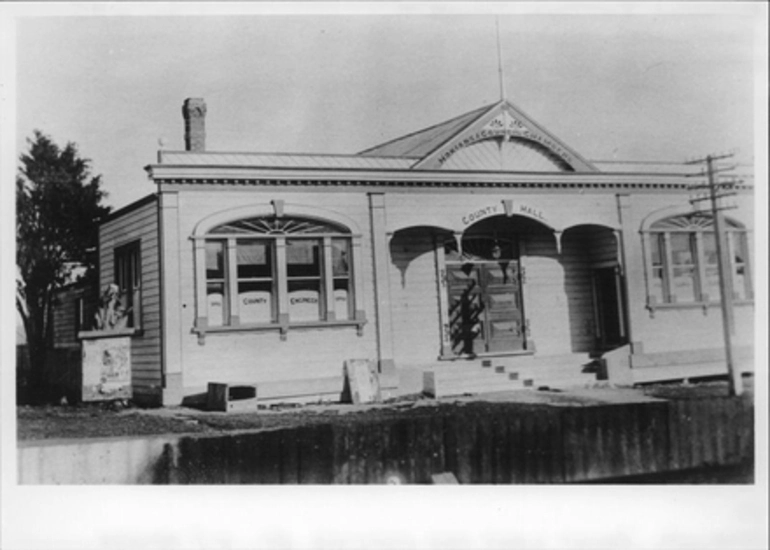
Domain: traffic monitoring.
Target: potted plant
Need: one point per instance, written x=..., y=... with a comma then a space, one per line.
x=105, y=372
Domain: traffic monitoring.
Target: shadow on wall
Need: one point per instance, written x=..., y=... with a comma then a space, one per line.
x=408, y=244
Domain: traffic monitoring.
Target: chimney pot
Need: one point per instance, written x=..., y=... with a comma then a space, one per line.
x=194, y=111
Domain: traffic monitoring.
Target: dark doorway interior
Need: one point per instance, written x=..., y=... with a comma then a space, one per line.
x=610, y=323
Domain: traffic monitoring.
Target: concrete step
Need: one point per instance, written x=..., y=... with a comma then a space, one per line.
x=501, y=368
x=546, y=371
x=506, y=373
x=547, y=360
x=443, y=388
x=566, y=382
x=467, y=374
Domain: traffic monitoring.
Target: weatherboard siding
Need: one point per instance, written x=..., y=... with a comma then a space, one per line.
x=414, y=300
x=138, y=224
x=558, y=298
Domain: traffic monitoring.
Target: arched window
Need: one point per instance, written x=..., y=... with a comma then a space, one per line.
x=682, y=261
x=276, y=271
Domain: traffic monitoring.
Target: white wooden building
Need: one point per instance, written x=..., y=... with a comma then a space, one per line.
x=483, y=241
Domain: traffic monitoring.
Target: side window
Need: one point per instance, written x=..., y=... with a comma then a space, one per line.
x=682, y=261
x=128, y=277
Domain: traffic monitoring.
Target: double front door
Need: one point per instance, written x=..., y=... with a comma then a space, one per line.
x=485, y=309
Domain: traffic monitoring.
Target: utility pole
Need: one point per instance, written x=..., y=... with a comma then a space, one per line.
x=715, y=191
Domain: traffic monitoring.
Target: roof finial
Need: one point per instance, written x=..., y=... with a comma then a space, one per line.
x=500, y=61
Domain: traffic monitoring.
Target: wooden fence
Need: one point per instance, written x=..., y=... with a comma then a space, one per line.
x=491, y=444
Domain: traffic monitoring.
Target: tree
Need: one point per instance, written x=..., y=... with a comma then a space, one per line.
x=57, y=215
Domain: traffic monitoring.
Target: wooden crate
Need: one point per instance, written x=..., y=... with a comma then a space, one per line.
x=235, y=398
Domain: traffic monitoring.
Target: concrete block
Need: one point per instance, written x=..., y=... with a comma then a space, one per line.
x=617, y=366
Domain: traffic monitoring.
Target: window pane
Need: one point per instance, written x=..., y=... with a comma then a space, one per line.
x=739, y=246
x=740, y=251
x=710, y=248
x=303, y=258
x=655, y=249
x=681, y=248
x=128, y=279
x=656, y=288
x=215, y=260
x=305, y=300
x=342, y=300
x=340, y=257
x=739, y=282
x=255, y=259
x=217, y=303
x=255, y=302
x=684, y=284
x=711, y=285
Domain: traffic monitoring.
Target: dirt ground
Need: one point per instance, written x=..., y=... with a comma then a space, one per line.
x=124, y=420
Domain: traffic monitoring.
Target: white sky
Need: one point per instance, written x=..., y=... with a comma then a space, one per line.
x=641, y=87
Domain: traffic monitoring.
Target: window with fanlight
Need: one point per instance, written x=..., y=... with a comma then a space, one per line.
x=682, y=261
x=273, y=271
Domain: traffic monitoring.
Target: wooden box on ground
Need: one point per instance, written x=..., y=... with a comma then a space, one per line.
x=227, y=398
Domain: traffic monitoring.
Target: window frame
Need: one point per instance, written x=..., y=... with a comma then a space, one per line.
x=133, y=299
x=662, y=231
x=281, y=319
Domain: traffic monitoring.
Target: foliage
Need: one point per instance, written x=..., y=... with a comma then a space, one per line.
x=58, y=208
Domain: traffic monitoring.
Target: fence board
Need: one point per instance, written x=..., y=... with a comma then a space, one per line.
x=315, y=454
x=516, y=450
x=341, y=455
x=480, y=452
x=529, y=447
x=289, y=457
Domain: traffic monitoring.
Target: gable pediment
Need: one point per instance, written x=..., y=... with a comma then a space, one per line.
x=466, y=143
x=504, y=123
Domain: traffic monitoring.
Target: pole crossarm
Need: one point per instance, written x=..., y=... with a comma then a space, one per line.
x=711, y=158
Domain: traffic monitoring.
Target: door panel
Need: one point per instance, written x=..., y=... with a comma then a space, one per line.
x=485, y=307
x=466, y=308
x=500, y=282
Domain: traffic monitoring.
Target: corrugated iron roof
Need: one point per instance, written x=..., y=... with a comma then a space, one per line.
x=418, y=144
x=284, y=160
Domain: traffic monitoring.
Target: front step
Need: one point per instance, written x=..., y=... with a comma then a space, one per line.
x=506, y=374
x=440, y=384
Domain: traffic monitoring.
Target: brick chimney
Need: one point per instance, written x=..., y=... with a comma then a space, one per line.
x=194, y=111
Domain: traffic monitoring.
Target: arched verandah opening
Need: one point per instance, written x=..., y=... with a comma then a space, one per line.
x=504, y=282
x=595, y=286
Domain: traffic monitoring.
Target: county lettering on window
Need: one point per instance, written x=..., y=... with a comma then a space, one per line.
x=271, y=271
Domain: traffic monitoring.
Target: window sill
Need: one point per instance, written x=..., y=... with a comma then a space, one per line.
x=283, y=329
x=96, y=334
x=693, y=305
